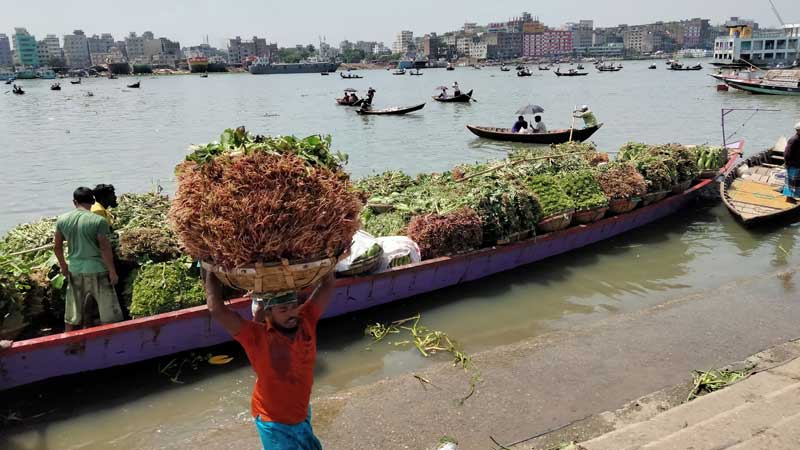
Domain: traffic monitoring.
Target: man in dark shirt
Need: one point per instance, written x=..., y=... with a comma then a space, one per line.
x=791, y=158
x=519, y=125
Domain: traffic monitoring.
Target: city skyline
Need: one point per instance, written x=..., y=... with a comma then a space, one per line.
x=289, y=24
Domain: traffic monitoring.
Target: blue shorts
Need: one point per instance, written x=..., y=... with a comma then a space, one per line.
x=278, y=436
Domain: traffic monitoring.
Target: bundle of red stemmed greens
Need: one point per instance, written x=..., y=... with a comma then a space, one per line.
x=258, y=199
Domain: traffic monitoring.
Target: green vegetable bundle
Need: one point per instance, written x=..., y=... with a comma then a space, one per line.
x=384, y=184
x=314, y=150
x=656, y=173
x=552, y=197
x=710, y=158
x=620, y=180
x=632, y=150
x=167, y=286
x=384, y=224
x=583, y=189
x=680, y=161
x=505, y=207
x=560, y=158
x=441, y=235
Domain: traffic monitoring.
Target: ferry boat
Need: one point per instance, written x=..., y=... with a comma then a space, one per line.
x=142, y=68
x=263, y=66
x=46, y=74
x=26, y=74
x=198, y=64
x=744, y=46
x=6, y=75
x=119, y=68
x=217, y=64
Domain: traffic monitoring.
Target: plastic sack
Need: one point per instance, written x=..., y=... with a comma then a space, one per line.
x=362, y=242
x=397, y=251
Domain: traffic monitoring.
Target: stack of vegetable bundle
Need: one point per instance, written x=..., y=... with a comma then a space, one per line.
x=506, y=207
x=620, y=180
x=250, y=199
x=383, y=224
x=447, y=234
x=583, y=189
x=550, y=161
x=654, y=163
x=587, y=150
x=142, y=226
x=710, y=158
x=166, y=286
x=550, y=194
x=384, y=184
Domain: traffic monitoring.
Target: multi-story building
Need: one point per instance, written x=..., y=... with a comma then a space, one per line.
x=368, y=47
x=583, y=35
x=240, y=51
x=638, y=39
x=611, y=35
x=759, y=47
x=430, y=46
x=403, y=42
x=134, y=47
x=550, y=42
x=6, y=57
x=25, y=48
x=50, y=52
x=120, y=45
x=503, y=44
x=346, y=46
x=100, y=44
x=162, y=51
x=76, y=50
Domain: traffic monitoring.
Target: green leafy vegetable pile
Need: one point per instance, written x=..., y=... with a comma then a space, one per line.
x=167, y=286
x=584, y=190
x=552, y=197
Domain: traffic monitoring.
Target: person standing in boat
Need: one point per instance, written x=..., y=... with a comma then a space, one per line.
x=456, y=89
x=282, y=352
x=90, y=273
x=370, y=95
x=589, y=120
x=791, y=159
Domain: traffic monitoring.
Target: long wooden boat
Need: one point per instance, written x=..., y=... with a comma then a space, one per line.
x=571, y=74
x=552, y=137
x=751, y=195
x=391, y=111
x=151, y=337
x=680, y=67
x=350, y=77
x=608, y=69
x=764, y=87
x=461, y=98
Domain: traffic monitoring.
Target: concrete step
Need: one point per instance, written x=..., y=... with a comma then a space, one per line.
x=784, y=435
x=736, y=425
x=636, y=435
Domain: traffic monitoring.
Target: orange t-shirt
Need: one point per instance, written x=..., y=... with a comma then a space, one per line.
x=284, y=367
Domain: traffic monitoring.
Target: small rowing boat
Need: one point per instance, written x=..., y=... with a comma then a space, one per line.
x=750, y=190
x=390, y=111
x=552, y=137
x=461, y=98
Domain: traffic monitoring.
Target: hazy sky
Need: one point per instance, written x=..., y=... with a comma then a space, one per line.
x=295, y=22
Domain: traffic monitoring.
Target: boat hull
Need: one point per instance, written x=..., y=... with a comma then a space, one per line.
x=151, y=337
x=273, y=69
x=119, y=68
x=391, y=112
x=758, y=88
x=558, y=137
x=463, y=98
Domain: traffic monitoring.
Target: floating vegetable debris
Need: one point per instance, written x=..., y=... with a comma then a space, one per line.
x=713, y=380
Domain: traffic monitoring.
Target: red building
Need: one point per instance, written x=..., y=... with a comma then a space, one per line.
x=547, y=43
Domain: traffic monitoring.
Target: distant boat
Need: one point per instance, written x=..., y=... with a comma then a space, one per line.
x=263, y=66
x=460, y=98
x=390, y=111
x=324, y=74
x=204, y=75
x=75, y=82
x=350, y=76
x=18, y=90
x=198, y=64
x=399, y=72
x=55, y=87
x=552, y=137
x=136, y=85
x=524, y=73
x=505, y=69
x=653, y=66
x=450, y=67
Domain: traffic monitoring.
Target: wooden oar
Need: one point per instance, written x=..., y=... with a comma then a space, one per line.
x=572, y=127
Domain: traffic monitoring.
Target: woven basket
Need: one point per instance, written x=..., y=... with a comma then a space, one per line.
x=590, y=215
x=555, y=222
x=680, y=187
x=366, y=265
x=274, y=277
x=654, y=197
x=622, y=205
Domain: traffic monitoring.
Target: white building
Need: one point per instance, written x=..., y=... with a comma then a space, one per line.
x=76, y=50
x=49, y=49
x=6, y=57
x=403, y=42
x=134, y=46
x=762, y=48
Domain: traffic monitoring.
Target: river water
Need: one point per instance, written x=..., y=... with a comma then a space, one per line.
x=55, y=141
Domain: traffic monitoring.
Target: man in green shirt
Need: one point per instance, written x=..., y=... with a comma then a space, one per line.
x=589, y=120
x=90, y=273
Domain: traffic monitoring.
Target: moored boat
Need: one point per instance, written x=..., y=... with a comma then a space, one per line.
x=350, y=76
x=571, y=73
x=774, y=82
x=461, y=98
x=750, y=192
x=136, y=85
x=263, y=66
x=198, y=64
x=142, y=339
x=397, y=111
x=552, y=137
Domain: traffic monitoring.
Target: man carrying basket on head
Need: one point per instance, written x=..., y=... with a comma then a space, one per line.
x=282, y=352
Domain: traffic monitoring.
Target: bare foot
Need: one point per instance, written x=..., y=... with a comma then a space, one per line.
x=5, y=344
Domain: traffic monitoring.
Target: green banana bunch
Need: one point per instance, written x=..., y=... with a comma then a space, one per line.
x=711, y=158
